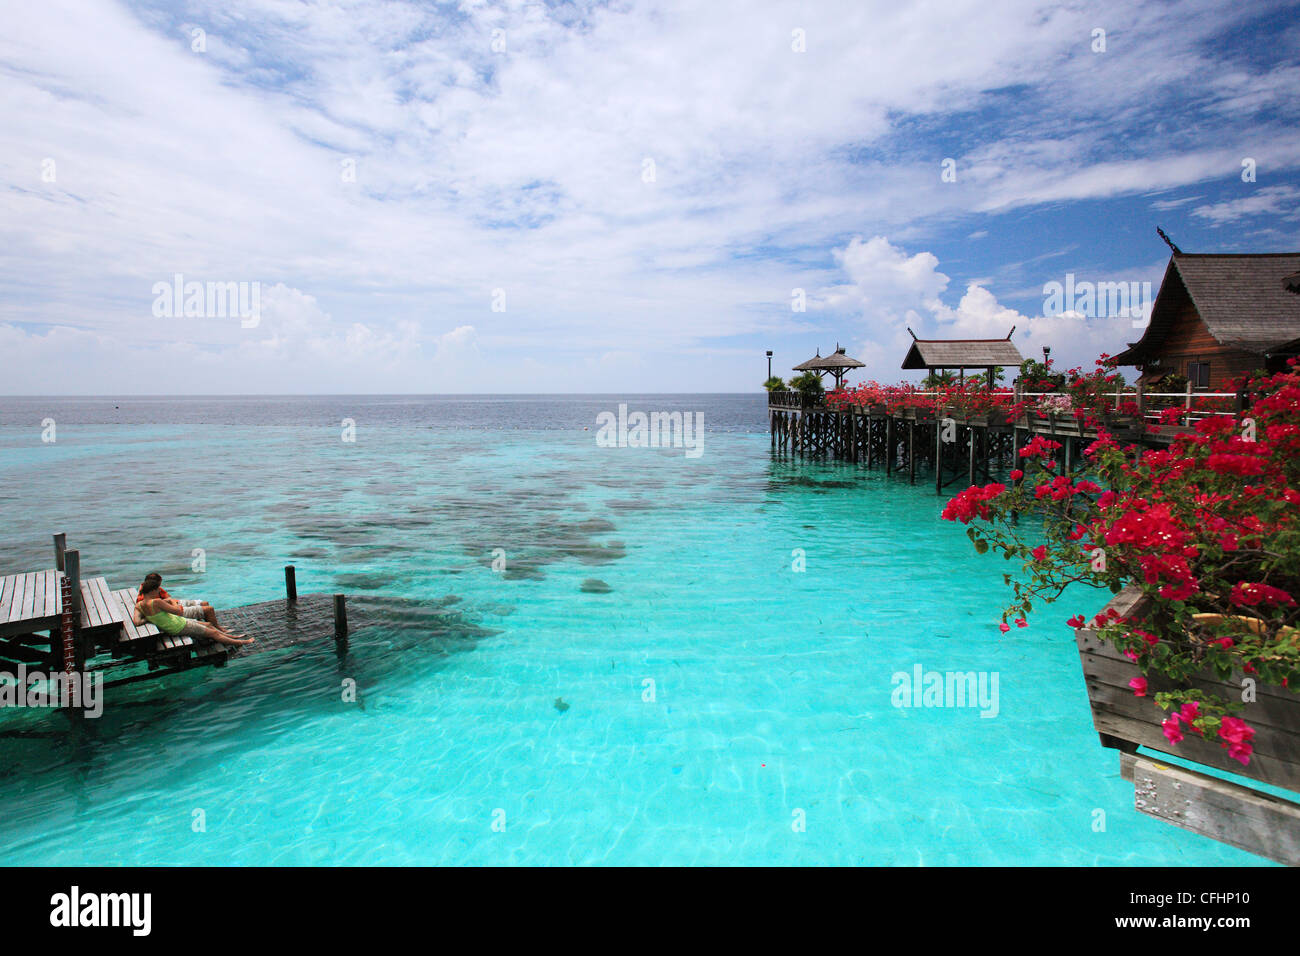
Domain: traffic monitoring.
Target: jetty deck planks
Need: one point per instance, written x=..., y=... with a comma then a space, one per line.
x=105, y=636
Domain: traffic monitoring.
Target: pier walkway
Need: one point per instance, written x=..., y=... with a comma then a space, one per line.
x=98, y=633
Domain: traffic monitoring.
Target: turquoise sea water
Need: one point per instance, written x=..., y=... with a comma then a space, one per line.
x=517, y=698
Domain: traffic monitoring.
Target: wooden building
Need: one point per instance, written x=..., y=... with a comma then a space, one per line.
x=981, y=355
x=1218, y=317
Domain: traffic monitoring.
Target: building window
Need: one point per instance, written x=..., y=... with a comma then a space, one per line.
x=1198, y=374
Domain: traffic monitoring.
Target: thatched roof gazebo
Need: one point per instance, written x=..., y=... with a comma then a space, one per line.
x=837, y=363
x=961, y=354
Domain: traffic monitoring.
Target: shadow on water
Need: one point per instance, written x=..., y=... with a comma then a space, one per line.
x=394, y=642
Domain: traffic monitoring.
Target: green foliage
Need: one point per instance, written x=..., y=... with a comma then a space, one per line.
x=940, y=379
x=980, y=379
x=1040, y=376
x=808, y=383
x=775, y=384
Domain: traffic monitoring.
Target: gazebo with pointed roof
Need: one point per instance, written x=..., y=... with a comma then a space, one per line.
x=837, y=363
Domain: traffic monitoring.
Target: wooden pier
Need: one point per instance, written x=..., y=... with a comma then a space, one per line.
x=948, y=447
x=55, y=621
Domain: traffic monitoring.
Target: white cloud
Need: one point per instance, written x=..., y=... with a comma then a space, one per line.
x=1266, y=200
x=522, y=169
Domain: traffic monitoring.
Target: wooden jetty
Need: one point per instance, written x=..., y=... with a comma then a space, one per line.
x=55, y=621
x=955, y=447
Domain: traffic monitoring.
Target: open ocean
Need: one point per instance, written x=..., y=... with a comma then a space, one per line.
x=714, y=706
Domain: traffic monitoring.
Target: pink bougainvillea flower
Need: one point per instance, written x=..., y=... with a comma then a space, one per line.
x=1139, y=685
x=1171, y=731
x=1021, y=622
x=1236, y=736
x=1004, y=627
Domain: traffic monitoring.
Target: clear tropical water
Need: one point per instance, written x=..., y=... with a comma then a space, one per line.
x=695, y=713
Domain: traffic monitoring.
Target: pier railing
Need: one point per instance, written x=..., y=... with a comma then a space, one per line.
x=796, y=401
x=1132, y=403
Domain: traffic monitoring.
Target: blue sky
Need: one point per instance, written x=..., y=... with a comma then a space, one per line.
x=637, y=187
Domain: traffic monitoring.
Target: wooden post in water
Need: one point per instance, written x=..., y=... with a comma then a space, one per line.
x=340, y=623
x=290, y=582
x=60, y=545
x=970, y=440
x=938, y=455
x=72, y=577
x=911, y=452
x=889, y=445
x=72, y=568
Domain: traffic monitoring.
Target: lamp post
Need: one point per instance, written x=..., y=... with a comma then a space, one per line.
x=769, y=363
x=1047, y=354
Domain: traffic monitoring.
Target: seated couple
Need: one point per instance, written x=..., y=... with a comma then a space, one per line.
x=189, y=618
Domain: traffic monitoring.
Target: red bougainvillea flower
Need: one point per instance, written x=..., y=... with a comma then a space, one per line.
x=1139, y=685
x=972, y=503
x=1016, y=474
x=1040, y=447
x=1021, y=622
x=1251, y=595
x=1004, y=627
x=1040, y=553
x=1076, y=621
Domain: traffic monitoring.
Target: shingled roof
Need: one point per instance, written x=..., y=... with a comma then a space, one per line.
x=1243, y=299
x=962, y=353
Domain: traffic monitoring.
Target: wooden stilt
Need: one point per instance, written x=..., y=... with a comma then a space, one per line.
x=341, y=623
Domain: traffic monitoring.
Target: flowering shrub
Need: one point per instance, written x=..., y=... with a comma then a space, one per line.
x=1040, y=376
x=966, y=400
x=1056, y=404
x=1208, y=529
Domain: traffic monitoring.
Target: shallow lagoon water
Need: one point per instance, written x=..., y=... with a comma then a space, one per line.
x=709, y=700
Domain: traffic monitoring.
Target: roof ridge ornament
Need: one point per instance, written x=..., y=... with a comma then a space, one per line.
x=1169, y=242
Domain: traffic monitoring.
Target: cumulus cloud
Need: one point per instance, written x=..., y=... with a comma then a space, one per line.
x=892, y=288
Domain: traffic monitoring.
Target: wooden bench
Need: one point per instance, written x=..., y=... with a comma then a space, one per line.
x=142, y=632
x=99, y=608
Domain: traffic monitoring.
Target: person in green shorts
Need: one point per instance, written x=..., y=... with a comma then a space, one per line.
x=193, y=609
x=169, y=617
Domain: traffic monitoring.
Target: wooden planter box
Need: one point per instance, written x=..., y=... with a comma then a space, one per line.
x=996, y=418
x=1223, y=810
x=1126, y=721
